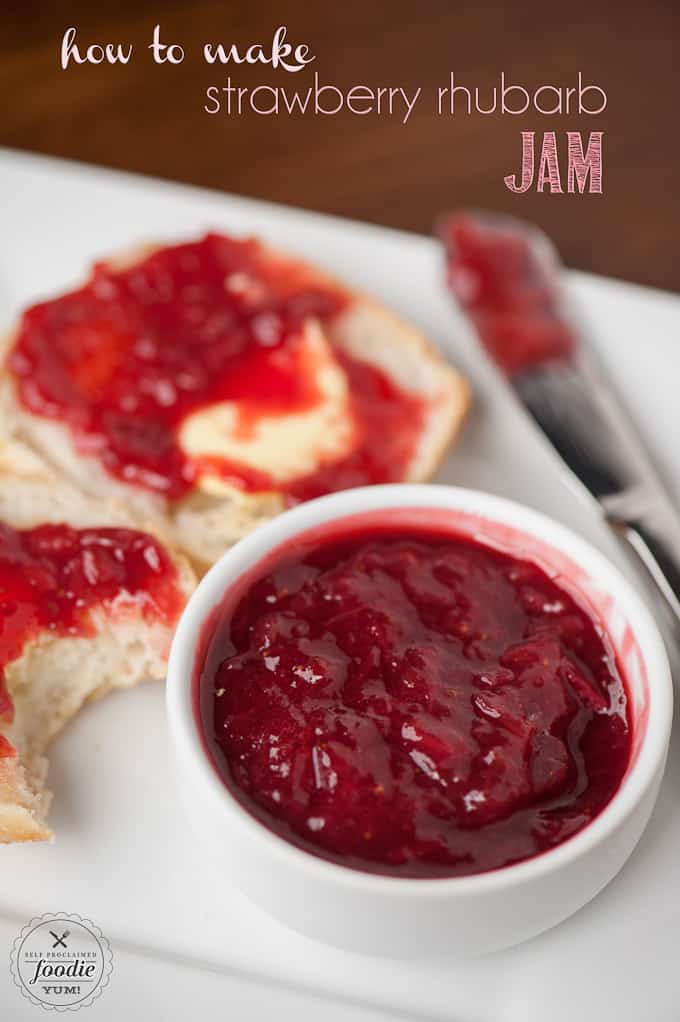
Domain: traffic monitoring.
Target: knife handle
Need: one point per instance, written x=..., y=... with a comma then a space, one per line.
x=658, y=555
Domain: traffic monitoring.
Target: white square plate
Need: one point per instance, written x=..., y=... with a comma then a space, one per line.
x=183, y=941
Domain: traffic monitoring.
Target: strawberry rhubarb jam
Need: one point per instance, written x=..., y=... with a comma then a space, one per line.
x=125, y=361
x=52, y=578
x=412, y=703
x=508, y=292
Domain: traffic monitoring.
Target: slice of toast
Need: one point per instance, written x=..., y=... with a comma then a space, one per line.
x=55, y=673
x=203, y=524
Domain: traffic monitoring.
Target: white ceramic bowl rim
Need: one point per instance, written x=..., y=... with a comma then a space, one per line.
x=253, y=548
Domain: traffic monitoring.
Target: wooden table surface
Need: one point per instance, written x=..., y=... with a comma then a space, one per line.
x=149, y=118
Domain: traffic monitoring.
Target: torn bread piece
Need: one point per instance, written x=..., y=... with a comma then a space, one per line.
x=140, y=387
x=87, y=603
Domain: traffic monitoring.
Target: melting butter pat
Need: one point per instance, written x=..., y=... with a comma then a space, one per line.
x=284, y=446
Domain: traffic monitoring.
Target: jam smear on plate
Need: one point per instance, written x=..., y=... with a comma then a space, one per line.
x=124, y=360
x=412, y=703
x=52, y=577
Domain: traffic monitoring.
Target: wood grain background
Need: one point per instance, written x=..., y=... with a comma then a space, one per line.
x=149, y=118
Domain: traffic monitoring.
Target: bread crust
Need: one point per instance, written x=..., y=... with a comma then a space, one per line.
x=204, y=526
x=55, y=675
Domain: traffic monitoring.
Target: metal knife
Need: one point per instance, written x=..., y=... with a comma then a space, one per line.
x=507, y=276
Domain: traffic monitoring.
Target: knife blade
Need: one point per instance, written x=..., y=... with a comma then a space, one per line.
x=507, y=277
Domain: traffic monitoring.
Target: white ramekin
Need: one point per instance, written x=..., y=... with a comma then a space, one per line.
x=423, y=917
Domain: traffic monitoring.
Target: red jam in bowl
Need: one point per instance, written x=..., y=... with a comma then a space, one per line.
x=53, y=576
x=124, y=360
x=411, y=702
x=509, y=293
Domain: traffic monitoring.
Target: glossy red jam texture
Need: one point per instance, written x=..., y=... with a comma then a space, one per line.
x=127, y=358
x=507, y=291
x=413, y=703
x=51, y=578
